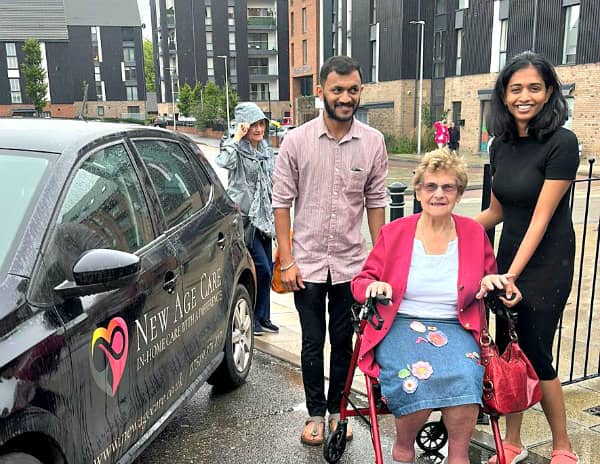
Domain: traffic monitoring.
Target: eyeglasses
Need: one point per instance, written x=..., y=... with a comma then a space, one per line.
x=431, y=187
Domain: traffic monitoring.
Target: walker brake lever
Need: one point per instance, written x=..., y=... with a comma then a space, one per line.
x=372, y=314
x=493, y=302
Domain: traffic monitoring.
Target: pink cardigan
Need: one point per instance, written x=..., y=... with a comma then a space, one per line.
x=389, y=261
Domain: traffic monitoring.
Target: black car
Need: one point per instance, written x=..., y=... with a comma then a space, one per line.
x=160, y=121
x=124, y=286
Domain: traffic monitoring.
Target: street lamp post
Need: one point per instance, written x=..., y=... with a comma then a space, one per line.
x=226, y=87
x=420, y=123
x=173, y=98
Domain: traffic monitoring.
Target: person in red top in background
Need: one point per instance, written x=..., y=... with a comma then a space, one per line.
x=442, y=136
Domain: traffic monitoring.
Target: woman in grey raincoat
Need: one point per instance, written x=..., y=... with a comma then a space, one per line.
x=249, y=159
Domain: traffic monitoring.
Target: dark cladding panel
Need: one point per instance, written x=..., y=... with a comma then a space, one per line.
x=520, y=27
x=410, y=40
x=451, y=39
x=241, y=39
x=588, y=48
x=477, y=39
x=326, y=16
x=112, y=51
x=189, y=16
x=59, y=73
x=392, y=22
x=550, y=31
x=81, y=66
x=283, y=49
x=361, y=45
x=4, y=83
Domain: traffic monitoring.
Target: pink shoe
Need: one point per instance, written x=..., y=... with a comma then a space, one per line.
x=513, y=455
x=564, y=457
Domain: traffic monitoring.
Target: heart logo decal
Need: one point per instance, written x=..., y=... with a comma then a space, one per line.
x=108, y=355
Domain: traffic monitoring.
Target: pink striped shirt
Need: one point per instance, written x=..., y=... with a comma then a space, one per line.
x=329, y=184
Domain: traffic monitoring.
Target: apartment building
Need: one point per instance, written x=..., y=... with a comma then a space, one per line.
x=466, y=43
x=242, y=41
x=82, y=42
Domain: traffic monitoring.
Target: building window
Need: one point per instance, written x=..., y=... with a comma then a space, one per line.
x=208, y=16
x=97, y=74
x=100, y=110
x=292, y=24
x=130, y=73
x=571, y=31
x=99, y=91
x=128, y=54
x=258, y=40
x=210, y=66
x=15, y=91
x=259, y=92
x=232, y=41
x=292, y=51
x=459, y=40
x=232, y=66
x=503, y=43
x=304, y=52
x=463, y=4
x=258, y=66
x=209, y=42
x=132, y=93
x=373, y=61
x=230, y=16
x=440, y=7
x=439, y=54
x=96, y=50
x=12, y=61
x=133, y=109
x=304, y=20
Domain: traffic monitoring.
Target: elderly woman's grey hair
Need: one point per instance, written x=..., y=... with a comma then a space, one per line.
x=442, y=159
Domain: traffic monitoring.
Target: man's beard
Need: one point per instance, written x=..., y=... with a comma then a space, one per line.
x=331, y=111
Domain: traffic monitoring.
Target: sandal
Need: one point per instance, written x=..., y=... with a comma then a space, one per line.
x=333, y=420
x=513, y=454
x=313, y=433
x=563, y=457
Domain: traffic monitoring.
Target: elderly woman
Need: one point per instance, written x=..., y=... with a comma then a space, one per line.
x=434, y=266
x=250, y=162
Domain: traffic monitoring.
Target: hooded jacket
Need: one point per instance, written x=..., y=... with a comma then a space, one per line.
x=250, y=180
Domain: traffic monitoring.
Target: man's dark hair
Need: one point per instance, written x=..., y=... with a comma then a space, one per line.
x=501, y=123
x=343, y=65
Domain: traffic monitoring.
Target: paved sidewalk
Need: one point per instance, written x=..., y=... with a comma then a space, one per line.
x=584, y=428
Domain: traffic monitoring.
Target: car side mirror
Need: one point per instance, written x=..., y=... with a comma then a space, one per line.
x=100, y=270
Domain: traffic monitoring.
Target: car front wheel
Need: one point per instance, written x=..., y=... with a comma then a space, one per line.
x=239, y=344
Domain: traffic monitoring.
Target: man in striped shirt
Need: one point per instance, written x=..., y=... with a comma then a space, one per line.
x=329, y=169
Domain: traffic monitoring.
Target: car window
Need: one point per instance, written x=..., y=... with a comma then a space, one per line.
x=103, y=207
x=173, y=177
x=17, y=193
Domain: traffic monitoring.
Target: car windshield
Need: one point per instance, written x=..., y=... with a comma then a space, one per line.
x=17, y=195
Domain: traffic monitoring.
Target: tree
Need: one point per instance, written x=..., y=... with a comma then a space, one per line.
x=34, y=74
x=212, y=112
x=186, y=100
x=149, y=66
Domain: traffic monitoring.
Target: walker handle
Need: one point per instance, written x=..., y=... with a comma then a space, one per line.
x=372, y=314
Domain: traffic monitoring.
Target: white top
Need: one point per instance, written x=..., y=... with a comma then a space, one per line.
x=431, y=288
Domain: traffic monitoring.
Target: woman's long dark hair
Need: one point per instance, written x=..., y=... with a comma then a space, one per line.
x=501, y=123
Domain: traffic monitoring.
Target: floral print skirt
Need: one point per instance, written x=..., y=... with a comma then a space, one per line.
x=428, y=364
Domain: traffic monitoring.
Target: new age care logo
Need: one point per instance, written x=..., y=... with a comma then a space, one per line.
x=108, y=354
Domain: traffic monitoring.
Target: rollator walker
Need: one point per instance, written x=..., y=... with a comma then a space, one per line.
x=433, y=435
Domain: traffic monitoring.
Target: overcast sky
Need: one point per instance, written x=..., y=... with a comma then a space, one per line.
x=144, y=7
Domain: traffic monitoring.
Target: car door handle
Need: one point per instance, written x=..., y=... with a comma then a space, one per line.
x=221, y=241
x=171, y=285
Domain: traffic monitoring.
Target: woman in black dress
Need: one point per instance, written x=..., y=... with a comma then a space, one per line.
x=534, y=161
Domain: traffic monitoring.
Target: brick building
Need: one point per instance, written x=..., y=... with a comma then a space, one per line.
x=82, y=41
x=466, y=43
x=194, y=39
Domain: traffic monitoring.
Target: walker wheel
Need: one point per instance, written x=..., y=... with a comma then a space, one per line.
x=432, y=436
x=335, y=444
x=431, y=457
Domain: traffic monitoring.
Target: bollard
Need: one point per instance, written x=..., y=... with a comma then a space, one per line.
x=417, y=208
x=396, y=190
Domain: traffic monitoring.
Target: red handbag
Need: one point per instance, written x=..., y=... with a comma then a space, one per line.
x=510, y=384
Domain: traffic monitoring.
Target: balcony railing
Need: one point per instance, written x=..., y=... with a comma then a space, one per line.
x=258, y=70
x=258, y=45
x=261, y=21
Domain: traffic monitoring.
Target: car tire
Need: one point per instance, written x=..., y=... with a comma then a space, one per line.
x=239, y=343
x=19, y=458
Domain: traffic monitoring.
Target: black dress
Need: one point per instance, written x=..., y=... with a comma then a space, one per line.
x=519, y=169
